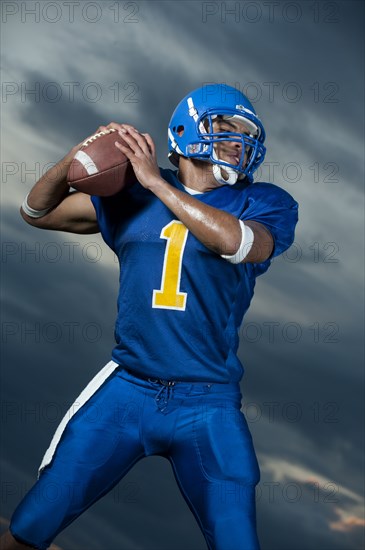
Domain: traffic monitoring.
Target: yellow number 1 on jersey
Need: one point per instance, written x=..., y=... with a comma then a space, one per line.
x=169, y=295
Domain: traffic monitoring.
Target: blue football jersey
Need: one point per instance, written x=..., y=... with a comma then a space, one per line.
x=180, y=305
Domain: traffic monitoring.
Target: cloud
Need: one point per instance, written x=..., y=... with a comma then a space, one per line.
x=338, y=512
x=346, y=523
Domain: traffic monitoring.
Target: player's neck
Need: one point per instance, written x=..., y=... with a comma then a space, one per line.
x=197, y=175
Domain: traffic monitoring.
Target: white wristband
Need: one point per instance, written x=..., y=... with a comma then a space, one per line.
x=31, y=212
x=245, y=246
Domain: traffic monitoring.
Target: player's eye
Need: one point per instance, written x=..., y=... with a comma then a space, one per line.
x=224, y=129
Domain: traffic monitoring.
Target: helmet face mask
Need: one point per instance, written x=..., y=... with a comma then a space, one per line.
x=194, y=132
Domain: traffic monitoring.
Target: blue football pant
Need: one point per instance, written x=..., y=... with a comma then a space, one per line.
x=198, y=427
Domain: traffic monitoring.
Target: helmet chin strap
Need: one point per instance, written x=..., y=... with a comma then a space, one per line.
x=218, y=174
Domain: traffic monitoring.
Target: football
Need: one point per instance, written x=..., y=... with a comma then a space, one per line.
x=99, y=168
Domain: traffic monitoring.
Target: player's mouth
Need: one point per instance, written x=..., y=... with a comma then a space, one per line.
x=233, y=159
x=230, y=155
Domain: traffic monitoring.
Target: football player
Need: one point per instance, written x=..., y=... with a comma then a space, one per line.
x=190, y=243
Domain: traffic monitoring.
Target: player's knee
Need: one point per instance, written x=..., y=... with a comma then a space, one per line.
x=27, y=528
x=8, y=542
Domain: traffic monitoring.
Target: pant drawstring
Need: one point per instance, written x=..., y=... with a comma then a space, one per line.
x=163, y=396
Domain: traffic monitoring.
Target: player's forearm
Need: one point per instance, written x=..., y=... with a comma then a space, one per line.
x=52, y=187
x=216, y=229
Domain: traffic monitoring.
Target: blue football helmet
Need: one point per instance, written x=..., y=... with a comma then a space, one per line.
x=190, y=132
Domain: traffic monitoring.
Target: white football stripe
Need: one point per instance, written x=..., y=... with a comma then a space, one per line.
x=87, y=162
x=84, y=396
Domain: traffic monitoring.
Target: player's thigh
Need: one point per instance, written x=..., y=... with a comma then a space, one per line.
x=104, y=432
x=216, y=468
x=224, y=442
x=213, y=443
x=99, y=445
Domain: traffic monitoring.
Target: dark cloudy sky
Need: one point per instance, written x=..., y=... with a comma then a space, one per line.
x=68, y=67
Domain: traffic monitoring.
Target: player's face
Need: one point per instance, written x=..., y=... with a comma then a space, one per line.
x=230, y=151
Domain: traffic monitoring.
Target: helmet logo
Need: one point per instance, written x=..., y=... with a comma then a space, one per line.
x=242, y=108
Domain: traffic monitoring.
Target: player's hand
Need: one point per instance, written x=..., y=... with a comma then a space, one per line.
x=142, y=154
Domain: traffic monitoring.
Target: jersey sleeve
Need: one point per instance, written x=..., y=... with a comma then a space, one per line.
x=106, y=210
x=276, y=209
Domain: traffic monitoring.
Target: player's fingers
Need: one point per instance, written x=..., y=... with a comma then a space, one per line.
x=128, y=138
x=128, y=127
x=135, y=141
x=102, y=129
x=129, y=142
x=129, y=153
x=150, y=143
x=114, y=126
x=141, y=140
